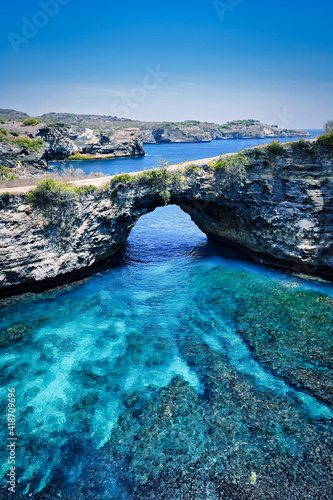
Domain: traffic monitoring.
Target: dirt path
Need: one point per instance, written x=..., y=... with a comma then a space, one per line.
x=100, y=181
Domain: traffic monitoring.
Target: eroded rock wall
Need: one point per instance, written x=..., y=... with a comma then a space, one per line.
x=278, y=208
x=60, y=143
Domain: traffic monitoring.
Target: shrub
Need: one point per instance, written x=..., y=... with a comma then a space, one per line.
x=89, y=157
x=123, y=178
x=326, y=140
x=255, y=152
x=298, y=144
x=2, y=122
x=3, y=131
x=275, y=148
x=192, y=168
x=30, y=122
x=233, y=162
x=15, y=134
x=5, y=197
x=30, y=145
x=329, y=127
x=25, y=143
x=113, y=195
x=7, y=174
x=160, y=178
x=165, y=195
x=153, y=177
x=51, y=192
x=81, y=157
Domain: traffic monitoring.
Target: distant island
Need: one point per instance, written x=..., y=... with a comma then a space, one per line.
x=161, y=132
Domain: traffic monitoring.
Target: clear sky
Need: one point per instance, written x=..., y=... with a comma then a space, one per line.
x=175, y=60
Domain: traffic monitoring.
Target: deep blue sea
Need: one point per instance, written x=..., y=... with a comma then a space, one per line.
x=182, y=371
x=172, y=153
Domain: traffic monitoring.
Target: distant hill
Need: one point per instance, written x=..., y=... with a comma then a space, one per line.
x=187, y=131
x=87, y=121
x=12, y=114
x=162, y=132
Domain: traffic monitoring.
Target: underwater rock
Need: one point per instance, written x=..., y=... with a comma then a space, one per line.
x=237, y=442
x=15, y=334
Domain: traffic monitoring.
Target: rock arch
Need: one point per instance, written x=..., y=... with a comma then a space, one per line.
x=281, y=216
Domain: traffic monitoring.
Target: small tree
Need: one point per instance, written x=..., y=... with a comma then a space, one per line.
x=329, y=127
x=30, y=122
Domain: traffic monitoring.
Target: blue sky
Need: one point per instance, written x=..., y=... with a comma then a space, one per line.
x=219, y=61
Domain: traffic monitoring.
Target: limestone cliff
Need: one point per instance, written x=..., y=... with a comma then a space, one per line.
x=21, y=159
x=274, y=202
x=35, y=146
x=64, y=142
x=205, y=132
x=174, y=134
x=186, y=131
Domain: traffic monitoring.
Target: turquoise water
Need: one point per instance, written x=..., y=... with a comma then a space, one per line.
x=184, y=370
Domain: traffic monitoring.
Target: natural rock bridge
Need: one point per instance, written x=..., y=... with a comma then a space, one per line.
x=276, y=203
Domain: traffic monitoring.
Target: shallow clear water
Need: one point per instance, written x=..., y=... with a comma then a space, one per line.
x=183, y=371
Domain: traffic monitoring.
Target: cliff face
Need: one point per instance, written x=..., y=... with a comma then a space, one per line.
x=276, y=205
x=188, y=131
x=203, y=132
x=181, y=134
x=27, y=163
x=60, y=143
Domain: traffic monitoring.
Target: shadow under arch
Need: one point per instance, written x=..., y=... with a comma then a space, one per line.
x=168, y=232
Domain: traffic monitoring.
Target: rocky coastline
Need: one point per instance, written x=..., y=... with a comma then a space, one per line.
x=165, y=133
x=188, y=131
x=36, y=146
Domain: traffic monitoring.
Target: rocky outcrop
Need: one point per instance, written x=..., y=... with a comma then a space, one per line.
x=187, y=131
x=275, y=203
x=256, y=130
x=174, y=134
x=22, y=160
x=63, y=142
x=207, y=133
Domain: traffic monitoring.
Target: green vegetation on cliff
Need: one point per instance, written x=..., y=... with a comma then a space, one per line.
x=153, y=178
x=30, y=122
x=329, y=127
x=7, y=174
x=50, y=192
x=160, y=179
x=244, y=123
x=326, y=140
x=232, y=162
x=275, y=148
x=33, y=146
x=122, y=178
x=90, y=157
